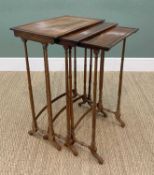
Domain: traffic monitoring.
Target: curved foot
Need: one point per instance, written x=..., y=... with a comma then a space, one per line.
x=32, y=132
x=122, y=124
x=53, y=141
x=56, y=145
x=38, y=131
x=72, y=148
x=100, y=109
x=98, y=157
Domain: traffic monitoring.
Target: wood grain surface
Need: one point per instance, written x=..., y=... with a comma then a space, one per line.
x=86, y=33
x=56, y=27
x=109, y=38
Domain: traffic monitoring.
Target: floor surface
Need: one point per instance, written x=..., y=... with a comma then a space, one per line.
x=127, y=151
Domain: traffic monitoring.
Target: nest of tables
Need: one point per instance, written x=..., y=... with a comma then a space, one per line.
x=94, y=35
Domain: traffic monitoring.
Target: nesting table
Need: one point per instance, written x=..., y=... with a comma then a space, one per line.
x=95, y=36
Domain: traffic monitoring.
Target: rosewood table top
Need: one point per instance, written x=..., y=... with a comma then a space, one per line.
x=109, y=38
x=55, y=27
x=71, y=30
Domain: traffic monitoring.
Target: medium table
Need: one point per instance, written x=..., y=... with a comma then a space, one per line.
x=71, y=32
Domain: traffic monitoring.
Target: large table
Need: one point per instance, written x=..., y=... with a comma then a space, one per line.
x=94, y=35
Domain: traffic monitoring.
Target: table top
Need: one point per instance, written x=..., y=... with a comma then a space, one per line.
x=108, y=38
x=88, y=33
x=75, y=31
x=56, y=27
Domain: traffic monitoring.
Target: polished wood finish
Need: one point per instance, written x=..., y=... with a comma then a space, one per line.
x=109, y=38
x=55, y=27
x=33, y=37
x=90, y=74
x=75, y=72
x=34, y=122
x=85, y=73
x=93, y=147
x=67, y=96
x=87, y=33
x=93, y=35
x=51, y=135
x=117, y=113
x=101, y=83
x=69, y=102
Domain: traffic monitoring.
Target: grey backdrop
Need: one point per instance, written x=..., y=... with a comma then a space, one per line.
x=135, y=13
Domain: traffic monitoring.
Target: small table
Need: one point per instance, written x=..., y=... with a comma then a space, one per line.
x=69, y=31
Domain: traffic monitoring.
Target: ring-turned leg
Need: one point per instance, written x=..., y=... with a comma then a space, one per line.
x=75, y=74
x=101, y=82
x=69, y=103
x=85, y=79
x=94, y=106
x=34, y=122
x=50, y=134
x=117, y=113
x=85, y=73
x=90, y=75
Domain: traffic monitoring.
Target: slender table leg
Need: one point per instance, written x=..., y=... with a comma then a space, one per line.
x=101, y=82
x=69, y=103
x=85, y=72
x=51, y=134
x=67, y=97
x=93, y=141
x=85, y=79
x=117, y=113
x=90, y=75
x=34, y=122
x=75, y=74
x=70, y=94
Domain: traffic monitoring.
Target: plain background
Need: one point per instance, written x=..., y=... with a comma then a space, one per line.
x=133, y=13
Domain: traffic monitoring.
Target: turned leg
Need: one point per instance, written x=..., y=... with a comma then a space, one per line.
x=67, y=96
x=90, y=75
x=93, y=140
x=75, y=74
x=69, y=104
x=85, y=73
x=70, y=93
x=101, y=82
x=85, y=79
x=117, y=113
x=50, y=134
x=34, y=122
